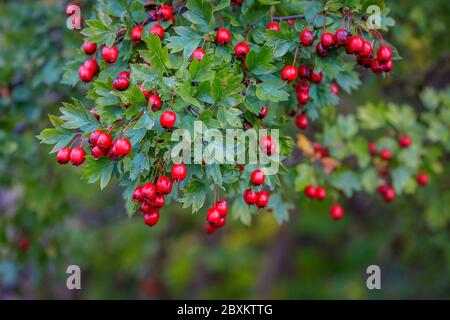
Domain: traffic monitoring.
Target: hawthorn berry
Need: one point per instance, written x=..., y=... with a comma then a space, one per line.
x=334, y=88
x=422, y=179
x=97, y=152
x=302, y=121
x=23, y=244
x=157, y=30
x=262, y=199
x=152, y=15
x=146, y=93
x=354, y=44
x=386, y=154
x=327, y=39
x=123, y=147
x=316, y=77
x=289, y=73
x=151, y=218
x=321, y=50
x=121, y=83
x=149, y=191
x=241, y=49
x=320, y=193
x=63, y=156
x=213, y=216
x=310, y=191
x=125, y=74
x=263, y=112
x=198, y=54
x=86, y=74
x=77, y=156
x=104, y=141
x=306, y=37
x=238, y=2
x=91, y=65
x=267, y=145
x=222, y=207
x=389, y=194
x=146, y=207
x=384, y=53
x=341, y=36
x=221, y=222
x=223, y=36
x=168, y=119
x=136, y=34
x=154, y=101
x=273, y=26
x=178, y=172
x=372, y=148
x=112, y=153
x=304, y=71
x=405, y=141
x=93, y=137
x=336, y=212
x=210, y=229
x=257, y=177
x=382, y=188
x=376, y=66
x=111, y=54
x=165, y=12
x=163, y=185
x=250, y=196
x=89, y=47
x=159, y=201
x=366, y=50
x=302, y=85
x=137, y=194
x=388, y=66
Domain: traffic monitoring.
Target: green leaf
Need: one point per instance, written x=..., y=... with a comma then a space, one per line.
x=200, y=14
x=241, y=211
x=280, y=207
x=100, y=169
x=194, y=195
x=272, y=90
x=401, y=176
x=348, y=126
x=260, y=62
x=346, y=181
x=156, y=55
x=76, y=116
x=230, y=116
x=187, y=40
x=305, y=176
x=58, y=136
x=139, y=163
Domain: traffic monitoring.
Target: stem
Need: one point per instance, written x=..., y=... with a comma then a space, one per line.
x=295, y=55
x=294, y=17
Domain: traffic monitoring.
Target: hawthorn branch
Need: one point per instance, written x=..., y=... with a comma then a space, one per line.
x=293, y=17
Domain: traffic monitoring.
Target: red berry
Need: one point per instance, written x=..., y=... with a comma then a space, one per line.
x=179, y=172
x=262, y=198
x=152, y=15
x=24, y=243
x=165, y=12
x=198, y=54
x=63, y=156
x=422, y=179
x=376, y=66
x=366, y=50
x=289, y=73
x=151, y=218
x=137, y=195
x=146, y=207
x=304, y=71
x=149, y=191
x=123, y=147
x=389, y=194
x=91, y=65
x=136, y=34
x=334, y=88
x=104, y=141
x=223, y=36
x=327, y=39
x=155, y=102
x=97, y=152
x=273, y=26
x=372, y=148
x=110, y=54
x=382, y=188
x=77, y=156
x=241, y=49
x=302, y=85
x=168, y=119
x=85, y=74
x=210, y=229
x=263, y=112
x=121, y=83
x=159, y=201
x=213, y=216
x=157, y=30
x=321, y=50
x=341, y=37
x=355, y=44
x=221, y=223
x=94, y=137
x=310, y=191
x=146, y=93
x=321, y=193
x=222, y=207
x=257, y=177
x=405, y=141
x=112, y=153
x=124, y=74
x=385, y=154
x=384, y=54
x=267, y=145
x=164, y=185
x=388, y=66
x=238, y=2
x=316, y=77
x=302, y=121
x=306, y=37
x=89, y=47
x=336, y=212
x=250, y=197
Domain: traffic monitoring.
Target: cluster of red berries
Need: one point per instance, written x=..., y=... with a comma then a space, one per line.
x=386, y=190
x=76, y=156
x=216, y=216
x=320, y=151
x=313, y=192
x=261, y=198
x=151, y=196
x=102, y=144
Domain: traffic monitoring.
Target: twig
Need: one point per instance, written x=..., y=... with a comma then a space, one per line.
x=294, y=17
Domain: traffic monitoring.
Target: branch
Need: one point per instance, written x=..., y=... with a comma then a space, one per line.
x=294, y=17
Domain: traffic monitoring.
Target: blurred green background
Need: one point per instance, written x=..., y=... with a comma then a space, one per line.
x=60, y=220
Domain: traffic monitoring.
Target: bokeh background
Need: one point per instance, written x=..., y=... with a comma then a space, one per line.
x=50, y=218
